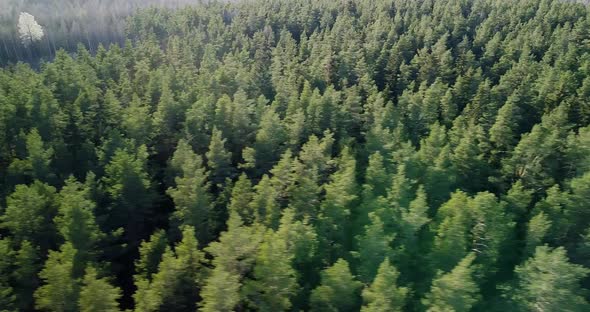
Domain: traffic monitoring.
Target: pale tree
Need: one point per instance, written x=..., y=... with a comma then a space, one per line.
x=29, y=30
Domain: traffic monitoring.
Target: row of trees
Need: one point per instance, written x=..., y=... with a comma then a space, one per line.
x=384, y=155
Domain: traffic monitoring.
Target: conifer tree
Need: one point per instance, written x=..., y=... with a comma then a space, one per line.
x=374, y=246
x=455, y=290
x=269, y=140
x=28, y=214
x=76, y=222
x=175, y=284
x=36, y=163
x=548, y=281
x=26, y=261
x=336, y=207
x=150, y=255
x=191, y=198
x=97, y=294
x=218, y=159
x=264, y=203
x=234, y=256
x=384, y=294
x=7, y=297
x=129, y=188
x=61, y=288
x=241, y=197
x=338, y=291
x=274, y=282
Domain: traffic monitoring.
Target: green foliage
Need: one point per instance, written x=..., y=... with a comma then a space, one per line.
x=97, y=294
x=374, y=246
x=338, y=290
x=455, y=290
x=479, y=224
x=336, y=208
x=234, y=256
x=36, y=164
x=28, y=214
x=218, y=159
x=274, y=281
x=174, y=285
x=227, y=152
x=75, y=220
x=129, y=189
x=61, y=288
x=191, y=198
x=241, y=197
x=7, y=297
x=384, y=294
x=27, y=266
x=548, y=281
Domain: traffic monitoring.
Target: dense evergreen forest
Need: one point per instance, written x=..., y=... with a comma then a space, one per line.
x=304, y=155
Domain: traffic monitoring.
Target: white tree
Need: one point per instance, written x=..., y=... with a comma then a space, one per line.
x=28, y=29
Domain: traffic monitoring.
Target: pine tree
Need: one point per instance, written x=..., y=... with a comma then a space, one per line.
x=61, y=288
x=274, y=282
x=518, y=199
x=269, y=140
x=191, y=196
x=28, y=214
x=503, y=134
x=221, y=291
x=97, y=294
x=468, y=158
x=27, y=265
x=414, y=219
x=336, y=207
x=374, y=246
x=7, y=297
x=455, y=290
x=218, y=159
x=168, y=116
x=36, y=163
x=175, y=285
x=547, y=281
x=241, y=197
x=234, y=256
x=302, y=244
x=304, y=190
x=137, y=122
x=384, y=294
x=129, y=188
x=76, y=223
x=338, y=291
x=536, y=230
x=150, y=255
x=264, y=203
x=281, y=179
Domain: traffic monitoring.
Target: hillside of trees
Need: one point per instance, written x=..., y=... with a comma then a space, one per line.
x=304, y=155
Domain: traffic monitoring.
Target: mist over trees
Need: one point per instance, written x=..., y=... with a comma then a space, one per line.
x=300, y=155
x=67, y=23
